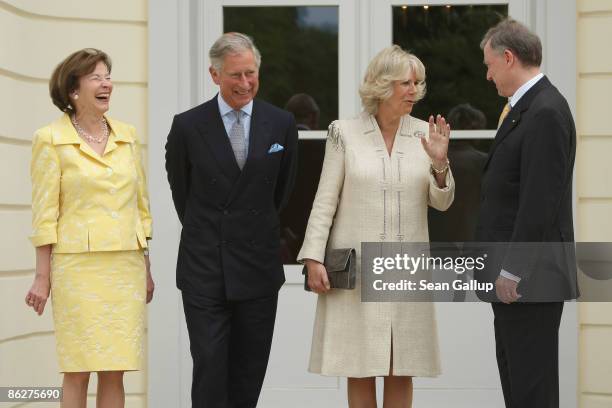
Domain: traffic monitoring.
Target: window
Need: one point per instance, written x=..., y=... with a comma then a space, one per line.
x=299, y=47
x=299, y=72
x=447, y=40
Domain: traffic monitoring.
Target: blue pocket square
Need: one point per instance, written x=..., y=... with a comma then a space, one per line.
x=275, y=148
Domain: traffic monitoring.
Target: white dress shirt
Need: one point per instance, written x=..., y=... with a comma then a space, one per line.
x=524, y=88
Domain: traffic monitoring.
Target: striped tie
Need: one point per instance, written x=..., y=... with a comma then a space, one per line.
x=238, y=141
x=503, y=115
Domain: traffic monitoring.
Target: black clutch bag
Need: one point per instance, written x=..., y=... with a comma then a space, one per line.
x=341, y=269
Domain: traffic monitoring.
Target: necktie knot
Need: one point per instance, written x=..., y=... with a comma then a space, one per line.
x=238, y=115
x=504, y=113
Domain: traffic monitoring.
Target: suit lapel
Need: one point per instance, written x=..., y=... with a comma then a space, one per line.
x=213, y=132
x=371, y=130
x=259, y=142
x=509, y=123
x=258, y=136
x=514, y=116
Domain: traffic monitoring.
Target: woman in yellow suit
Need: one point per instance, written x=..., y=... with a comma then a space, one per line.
x=91, y=223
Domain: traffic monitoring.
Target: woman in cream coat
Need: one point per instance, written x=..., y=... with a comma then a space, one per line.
x=381, y=171
x=91, y=223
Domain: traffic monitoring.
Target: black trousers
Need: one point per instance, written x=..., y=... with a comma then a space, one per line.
x=230, y=345
x=527, y=348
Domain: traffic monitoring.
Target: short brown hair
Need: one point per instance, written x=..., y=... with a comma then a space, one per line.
x=65, y=77
x=511, y=35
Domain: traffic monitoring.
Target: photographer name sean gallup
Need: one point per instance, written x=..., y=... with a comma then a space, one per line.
x=423, y=285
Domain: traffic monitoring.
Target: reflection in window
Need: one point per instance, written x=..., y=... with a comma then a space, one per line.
x=447, y=40
x=458, y=223
x=467, y=158
x=295, y=217
x=299, y=47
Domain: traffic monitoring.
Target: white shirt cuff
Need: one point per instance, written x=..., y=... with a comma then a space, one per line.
x=510, y=276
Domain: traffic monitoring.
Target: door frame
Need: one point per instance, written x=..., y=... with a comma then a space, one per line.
x=178, y=80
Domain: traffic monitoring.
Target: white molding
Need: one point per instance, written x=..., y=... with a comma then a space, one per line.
x=211, y=13
x=557, y=31
x=348, y=59
x=164, y=369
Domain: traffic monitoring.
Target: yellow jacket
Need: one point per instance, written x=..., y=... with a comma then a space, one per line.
x=82, y=201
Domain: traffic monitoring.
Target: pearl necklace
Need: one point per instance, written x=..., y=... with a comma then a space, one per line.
x=89, y=137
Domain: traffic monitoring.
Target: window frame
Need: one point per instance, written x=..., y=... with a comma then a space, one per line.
x=381, y=10
x=211, y=16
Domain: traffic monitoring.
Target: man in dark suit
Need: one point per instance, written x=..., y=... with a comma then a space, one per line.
x=526, y=202
x=231, y=167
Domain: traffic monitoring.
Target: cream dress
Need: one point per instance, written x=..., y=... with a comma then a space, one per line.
x=367, y=195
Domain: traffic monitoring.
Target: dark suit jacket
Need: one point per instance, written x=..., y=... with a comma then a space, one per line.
x=526, y=195
x=457, y=224
x=229, y=245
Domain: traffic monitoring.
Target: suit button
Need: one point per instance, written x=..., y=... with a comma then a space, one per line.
x=114, y=215
x=226, y=212
x=112, y=190
x=109, y=171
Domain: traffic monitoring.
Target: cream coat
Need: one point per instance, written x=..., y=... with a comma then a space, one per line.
x=365, y=195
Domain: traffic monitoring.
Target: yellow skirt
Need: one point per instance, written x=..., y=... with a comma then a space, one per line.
x=98, y=310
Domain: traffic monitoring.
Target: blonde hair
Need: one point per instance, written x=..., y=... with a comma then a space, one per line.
x=389, y=65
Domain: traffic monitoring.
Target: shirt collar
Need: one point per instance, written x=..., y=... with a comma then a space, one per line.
x=524, y=88
x=224, y=108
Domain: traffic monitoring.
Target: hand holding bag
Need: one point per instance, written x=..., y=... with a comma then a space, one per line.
x=341, y=269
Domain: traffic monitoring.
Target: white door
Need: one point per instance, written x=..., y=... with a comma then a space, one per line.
x=180, y=37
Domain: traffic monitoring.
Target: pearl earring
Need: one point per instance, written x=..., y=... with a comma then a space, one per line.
x=76, y=96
